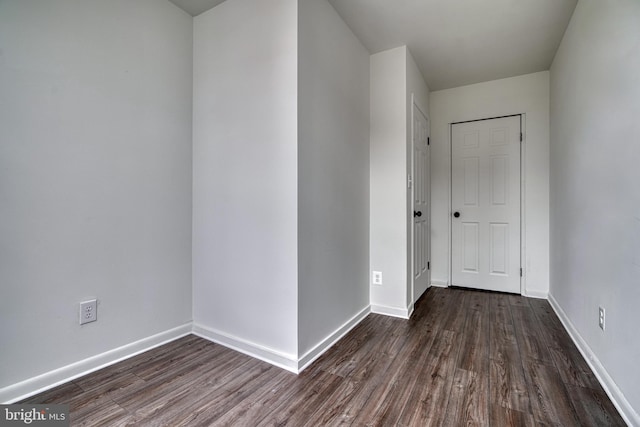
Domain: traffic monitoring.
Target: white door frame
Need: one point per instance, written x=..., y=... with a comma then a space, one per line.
x=523, y=222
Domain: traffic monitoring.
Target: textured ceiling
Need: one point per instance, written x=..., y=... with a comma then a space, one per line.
x=459, y=42
x=454, y=42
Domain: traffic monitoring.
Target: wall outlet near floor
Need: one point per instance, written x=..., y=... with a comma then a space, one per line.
x=601, y=317
x=377, y=277
x=88, y=311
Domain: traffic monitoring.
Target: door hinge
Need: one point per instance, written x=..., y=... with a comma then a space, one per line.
x=521, y=272
x=409, y=181
x=428, y=265
x=428, y=140
x=520, y=136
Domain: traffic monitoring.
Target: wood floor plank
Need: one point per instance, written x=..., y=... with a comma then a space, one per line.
x=455, y=314
x=393, y=342
x=347, y=402
x=503, y=345
x=518, y=301
x=430, y=395
x=474, y=354
x=159, y=366
x=554, y=333
x=464, y=358
x=507, y=384
x=501, y=416
x=572, y=368
x=60, y=394
x=593, y=407
x=184, y=344
x=335, y=409
x=430, y=309
x=349, y=399
x=215, y=401
x=106, y=414
x=400, y=379
x=119, y=384
x=366, y=338
x=545, y=313
x=152, y=393
x=261, y=402
x=531, y=342
x=500, y=308
x=550, y=402
x=298, y=408
x=469, y=400
x=479, y=300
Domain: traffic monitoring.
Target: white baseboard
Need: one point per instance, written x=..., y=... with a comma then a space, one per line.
x=275, y=357
x=403, y=313
x=627, y=412
x=40, y=383
x=439, y=284
x=536, y=294
x=317, y=351
x=269, y=355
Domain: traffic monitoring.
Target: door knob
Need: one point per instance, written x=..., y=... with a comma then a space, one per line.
x=456, y=214
x=417, y=213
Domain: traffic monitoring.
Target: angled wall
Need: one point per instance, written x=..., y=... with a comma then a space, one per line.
x=245, y=177
x=595, y=198
x=333, y=178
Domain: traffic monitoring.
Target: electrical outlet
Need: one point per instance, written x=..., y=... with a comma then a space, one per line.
x=88, y=311
x=377, y=277
x=601, y=317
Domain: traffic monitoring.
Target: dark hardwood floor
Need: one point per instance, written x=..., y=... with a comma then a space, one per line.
x=464, y=358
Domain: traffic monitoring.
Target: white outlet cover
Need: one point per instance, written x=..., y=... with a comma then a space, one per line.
x=377, y=278
x=88, y=311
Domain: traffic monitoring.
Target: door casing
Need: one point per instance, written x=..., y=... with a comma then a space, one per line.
x=523, y=223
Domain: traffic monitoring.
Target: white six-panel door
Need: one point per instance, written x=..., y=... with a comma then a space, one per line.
x=485, y=204
x=421, y=203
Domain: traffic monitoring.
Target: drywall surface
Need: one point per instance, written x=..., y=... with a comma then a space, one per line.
x=595, y=198
x=388, y=178
x=528, y=94
x=95, y=178
x=245, y=173
x=418, y=92
x=333, y=173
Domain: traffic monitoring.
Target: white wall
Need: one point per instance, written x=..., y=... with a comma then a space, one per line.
x=333, y=174
x=95, y=178
x=595, y=197
x=245, y=175
x=394, y=77
x=388, y=180
x=528, y=94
